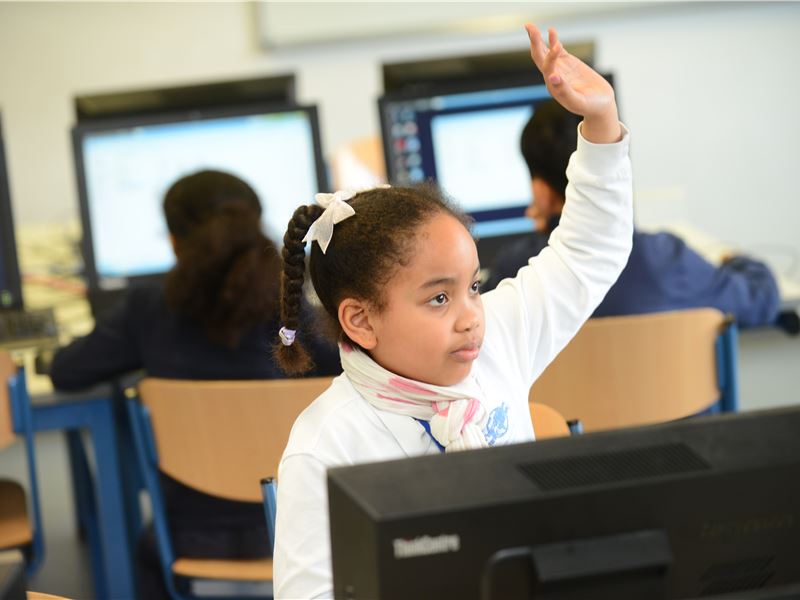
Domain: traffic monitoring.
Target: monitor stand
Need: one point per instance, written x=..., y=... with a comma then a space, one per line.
x=628, y=566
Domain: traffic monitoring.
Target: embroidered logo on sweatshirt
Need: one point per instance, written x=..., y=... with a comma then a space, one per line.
x=497, y=425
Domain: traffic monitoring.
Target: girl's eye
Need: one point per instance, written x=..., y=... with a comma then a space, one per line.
x=438, y=300
x=475, y=287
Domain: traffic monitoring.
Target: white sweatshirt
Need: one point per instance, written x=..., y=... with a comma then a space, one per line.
x=529, y=319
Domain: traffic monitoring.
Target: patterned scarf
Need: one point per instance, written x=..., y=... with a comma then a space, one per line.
x=453, y=411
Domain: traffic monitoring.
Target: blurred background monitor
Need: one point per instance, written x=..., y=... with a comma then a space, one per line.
x=125, y=166
x=468, y=142
x=694, y=508
x=10, y=281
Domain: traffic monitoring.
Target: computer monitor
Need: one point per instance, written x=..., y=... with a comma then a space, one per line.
x=124, y=168
x=467, y=140
x=695, y=508
x=10, y=281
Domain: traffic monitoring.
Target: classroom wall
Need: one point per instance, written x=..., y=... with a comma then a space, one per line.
x=709, y=90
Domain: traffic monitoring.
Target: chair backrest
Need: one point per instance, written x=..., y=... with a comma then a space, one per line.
x=7, y=370
x=547, y=421
x=223, y=437
x=634, y=370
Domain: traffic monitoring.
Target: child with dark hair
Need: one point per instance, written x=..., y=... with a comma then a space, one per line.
x=662, y=273
x=429, y=364
x=213, y=318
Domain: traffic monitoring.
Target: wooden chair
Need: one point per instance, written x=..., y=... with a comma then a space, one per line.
x=635, y=370
x=18, y=528
x=547, y=422
x=221, y=438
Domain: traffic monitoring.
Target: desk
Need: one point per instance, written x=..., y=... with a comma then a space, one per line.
x=93, y=411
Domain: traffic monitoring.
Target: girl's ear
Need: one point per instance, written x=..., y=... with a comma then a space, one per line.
x=354, y=317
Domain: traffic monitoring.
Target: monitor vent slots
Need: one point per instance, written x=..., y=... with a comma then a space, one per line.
x=614, y=467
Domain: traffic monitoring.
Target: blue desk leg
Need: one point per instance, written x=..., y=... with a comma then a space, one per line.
x=97, y=416
x=79, y=470
x=111, y=505
x=84, y=495
x=132, y=481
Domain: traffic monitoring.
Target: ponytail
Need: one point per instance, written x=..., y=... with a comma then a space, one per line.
x=292, y=357
x=226, y=278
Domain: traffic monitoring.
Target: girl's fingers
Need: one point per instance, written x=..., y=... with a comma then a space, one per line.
x=553, y=36
x=538, y=49
x=548, y=67
x=546, y=59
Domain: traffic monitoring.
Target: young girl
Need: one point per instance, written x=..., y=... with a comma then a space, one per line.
x=429, y=364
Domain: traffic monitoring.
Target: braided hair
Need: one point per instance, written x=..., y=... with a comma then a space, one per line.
x=294, y=358
x=364, y=254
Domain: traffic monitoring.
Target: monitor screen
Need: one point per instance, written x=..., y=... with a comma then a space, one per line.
x=468, y=142
x=700, y=507
x=125, y=168
x=10, y=282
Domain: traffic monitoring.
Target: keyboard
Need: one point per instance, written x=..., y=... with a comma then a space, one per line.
x=28, y=328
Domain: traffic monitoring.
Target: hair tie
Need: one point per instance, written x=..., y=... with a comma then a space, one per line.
x=287, y=336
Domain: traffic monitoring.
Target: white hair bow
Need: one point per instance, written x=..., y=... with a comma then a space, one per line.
x=336, y=211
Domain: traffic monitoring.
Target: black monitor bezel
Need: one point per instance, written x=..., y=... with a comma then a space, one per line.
x=7, y=234
x=464, y=68
x=273, y=89
x=81, y=130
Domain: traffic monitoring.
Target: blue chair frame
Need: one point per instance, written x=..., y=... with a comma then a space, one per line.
x=727, y=356
x=23, y=426
x=147, y=459
x=727, y=367
x=269, y=490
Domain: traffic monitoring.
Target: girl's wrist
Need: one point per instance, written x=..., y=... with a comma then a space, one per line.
x=603, y=128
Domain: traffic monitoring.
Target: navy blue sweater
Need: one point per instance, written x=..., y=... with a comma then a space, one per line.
x=663, y=273
x=142, y=333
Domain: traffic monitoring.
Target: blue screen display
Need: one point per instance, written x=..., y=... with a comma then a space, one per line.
x=469, y=144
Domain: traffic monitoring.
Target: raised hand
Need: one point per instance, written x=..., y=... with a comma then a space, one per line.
x=577, y=87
